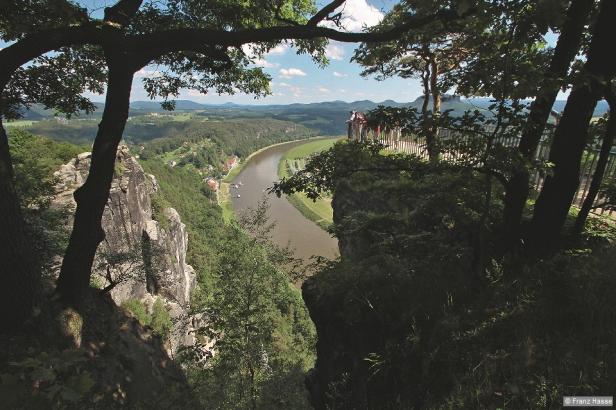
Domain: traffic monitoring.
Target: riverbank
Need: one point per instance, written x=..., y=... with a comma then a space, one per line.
x=224, y=195
x=319, y=211
x=236, y=170
x=291, y=228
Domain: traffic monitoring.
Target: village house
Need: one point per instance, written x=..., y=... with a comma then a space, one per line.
x=231, y=163
x=212, y=183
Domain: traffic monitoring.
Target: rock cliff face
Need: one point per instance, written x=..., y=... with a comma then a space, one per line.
x=140, y=258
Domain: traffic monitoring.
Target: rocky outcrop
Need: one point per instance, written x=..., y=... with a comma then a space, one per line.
x=143, y=255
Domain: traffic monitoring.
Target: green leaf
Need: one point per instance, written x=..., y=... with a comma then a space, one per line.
x=463, y=6
x=29, y=362
x=52, y=391
x=43, y=374
x=80, y=383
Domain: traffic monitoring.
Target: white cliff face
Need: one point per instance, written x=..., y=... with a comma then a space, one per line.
x=147, y=258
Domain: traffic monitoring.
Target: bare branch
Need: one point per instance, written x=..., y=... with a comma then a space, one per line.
x=121, y=13
x=324, y=12
x=112, y=283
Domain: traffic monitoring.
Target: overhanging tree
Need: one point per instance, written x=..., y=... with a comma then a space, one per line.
x=609, y=136
x=197, y=38
x=57, y=82
x=567, y=47
x=570, y=137
x=432, y=54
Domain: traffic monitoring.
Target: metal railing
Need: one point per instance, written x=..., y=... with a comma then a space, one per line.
x=394, y=140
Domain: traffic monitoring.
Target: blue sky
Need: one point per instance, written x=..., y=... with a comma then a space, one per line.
x=296, y=78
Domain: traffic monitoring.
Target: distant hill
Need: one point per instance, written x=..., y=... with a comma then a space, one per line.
x=559, y=105
x=153, y=106
x=328, y=118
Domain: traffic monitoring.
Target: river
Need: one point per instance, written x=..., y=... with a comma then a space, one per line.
x=292, y=228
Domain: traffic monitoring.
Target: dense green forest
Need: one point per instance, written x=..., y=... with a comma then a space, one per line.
x=207, y=148
x=236, y=270
x=148, y=127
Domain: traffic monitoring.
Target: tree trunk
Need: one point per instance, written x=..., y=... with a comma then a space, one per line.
x=571, y=134
x=19, y=271
x=425, y=79
x=436, y=110
x=92, y=196
x=567, y=47
x=597, y=179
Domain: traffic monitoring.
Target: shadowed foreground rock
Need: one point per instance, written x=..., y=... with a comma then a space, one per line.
x=103, y=360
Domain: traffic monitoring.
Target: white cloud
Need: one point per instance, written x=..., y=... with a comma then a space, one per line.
x=147, y=72
x=291, y=72
x=261, y=62
x=249, y=50
x=279, y=49
x=334, y=52
x=340, y=75
x=323, y=90
x=295, y=91
x=356, y=14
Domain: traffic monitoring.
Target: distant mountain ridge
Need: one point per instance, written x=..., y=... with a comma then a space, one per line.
x=328, y=117
x=37, y=111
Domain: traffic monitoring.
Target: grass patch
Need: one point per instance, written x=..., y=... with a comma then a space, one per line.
x=181, y=117
x=311, y=147
x=224, y=200
x=309, y=209
x=235, y=171
x=319, y=211
x=303, y=205
x=18, y=123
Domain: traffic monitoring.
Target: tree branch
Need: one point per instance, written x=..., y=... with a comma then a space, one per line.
x=500, y=177
x=324, y=12
x=121, y=13
x=193, y=39
x=112, y=283
x=153, y=45
x=35, y=45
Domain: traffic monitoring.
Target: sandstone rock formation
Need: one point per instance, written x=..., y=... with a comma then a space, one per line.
x=141, y=257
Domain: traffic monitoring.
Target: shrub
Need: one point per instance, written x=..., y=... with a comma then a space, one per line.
x=138, y=310
x=161, y=320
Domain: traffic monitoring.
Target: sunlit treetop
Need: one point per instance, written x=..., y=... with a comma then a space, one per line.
x=500, y=48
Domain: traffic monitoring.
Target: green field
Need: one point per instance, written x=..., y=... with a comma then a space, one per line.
x=320, y=211
x=224, y=201
x=19, y=123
